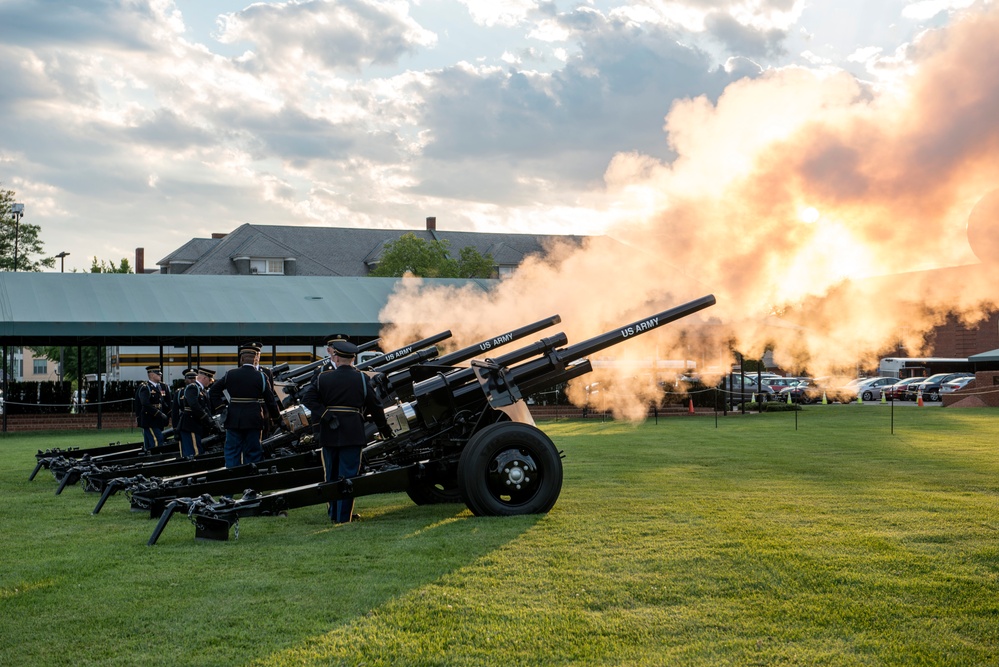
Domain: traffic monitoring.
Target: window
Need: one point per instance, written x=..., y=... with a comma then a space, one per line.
x=41, y=367
x=267, y=267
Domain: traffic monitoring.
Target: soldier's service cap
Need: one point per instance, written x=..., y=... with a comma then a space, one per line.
x=255, y=347
x=207, y=372
x=332, y=338
x=190, y=372
x=344, y=348
x=154, y=369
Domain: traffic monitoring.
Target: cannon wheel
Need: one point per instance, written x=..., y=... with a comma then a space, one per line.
x=510, y=468
x=435, y=489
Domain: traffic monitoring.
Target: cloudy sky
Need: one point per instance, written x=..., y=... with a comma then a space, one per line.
x=145, y=123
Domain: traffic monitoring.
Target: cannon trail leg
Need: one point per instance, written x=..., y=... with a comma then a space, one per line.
x=72, y=476
x=35, y=471
x=167, y=513
x=109, y=491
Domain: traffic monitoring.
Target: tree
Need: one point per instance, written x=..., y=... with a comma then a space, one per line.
x=472, y=264
x=23, y=235
x=109, y=266
x=92, y=359
x=409, y=254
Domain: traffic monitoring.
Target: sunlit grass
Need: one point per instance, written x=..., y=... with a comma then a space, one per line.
x=681, y=542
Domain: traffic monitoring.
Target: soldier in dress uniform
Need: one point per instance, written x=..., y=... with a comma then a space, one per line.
x=340, y=399
x=196, y=411
x=177, y=399
x=252, y=405
x=257, y=347
x=152, y=401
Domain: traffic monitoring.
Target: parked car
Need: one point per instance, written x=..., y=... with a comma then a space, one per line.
x=845, y=393
x=746, y=384
x=806, y=391
x=779, y=383
x=930, y=387
x=955, y=384
x=871, y=388
x=896, y=392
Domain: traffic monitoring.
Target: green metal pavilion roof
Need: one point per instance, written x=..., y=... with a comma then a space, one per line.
x=161, y=309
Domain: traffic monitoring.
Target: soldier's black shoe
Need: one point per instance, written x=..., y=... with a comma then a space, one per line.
x=355, y=517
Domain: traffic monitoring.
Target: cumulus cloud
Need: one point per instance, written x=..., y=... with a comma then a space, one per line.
x=508, y=13
x=131, y=25
x=320, y=34
x=610, y=95
x=744, y=40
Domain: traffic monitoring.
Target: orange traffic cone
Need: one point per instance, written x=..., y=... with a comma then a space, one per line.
x=919, y=398
x=690, y=409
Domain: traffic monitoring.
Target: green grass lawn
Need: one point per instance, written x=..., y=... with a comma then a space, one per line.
x=687, y=542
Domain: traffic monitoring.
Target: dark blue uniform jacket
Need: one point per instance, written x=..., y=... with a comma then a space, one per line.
x=251, y=399
x=340, y=400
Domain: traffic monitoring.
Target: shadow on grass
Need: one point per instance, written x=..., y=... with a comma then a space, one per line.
x=93, y=584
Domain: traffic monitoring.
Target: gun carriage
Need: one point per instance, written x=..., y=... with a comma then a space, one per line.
x=465, y=434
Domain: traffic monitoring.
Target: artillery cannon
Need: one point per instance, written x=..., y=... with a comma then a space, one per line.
x=66, y=457
x=98, y=465
x=466, y=435
x=387, y=372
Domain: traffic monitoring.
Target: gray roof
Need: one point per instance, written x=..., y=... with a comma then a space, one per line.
x=981, y=357
x=340, y=251
x=129, y=309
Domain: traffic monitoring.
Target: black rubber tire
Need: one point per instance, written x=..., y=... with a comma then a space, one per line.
x=434, y=490
x=868, y=395
x=934, y=395
x=503, y=456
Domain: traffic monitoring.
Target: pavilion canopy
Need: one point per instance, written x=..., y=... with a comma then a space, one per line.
x=161, y=309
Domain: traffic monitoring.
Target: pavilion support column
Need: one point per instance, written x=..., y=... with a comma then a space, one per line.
x=82, y=397
x=6, y=395
x=100, y=391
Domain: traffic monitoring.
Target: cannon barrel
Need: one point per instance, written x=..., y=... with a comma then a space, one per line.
x=484, y=346
x=462, y=376
x=404, y=351
x=545, y=363
x=283, y=373
x=497, y=341
x=400, y=363
x=530, y=370
x=609, y=339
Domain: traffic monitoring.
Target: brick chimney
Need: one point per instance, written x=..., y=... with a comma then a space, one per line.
x=431, y=224
x=218, y=235
x=140, y=261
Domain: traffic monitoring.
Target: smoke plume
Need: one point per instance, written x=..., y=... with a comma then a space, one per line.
x=822, y=212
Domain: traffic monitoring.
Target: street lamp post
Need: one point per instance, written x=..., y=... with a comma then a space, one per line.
x=18, y=211
x=62, y=267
